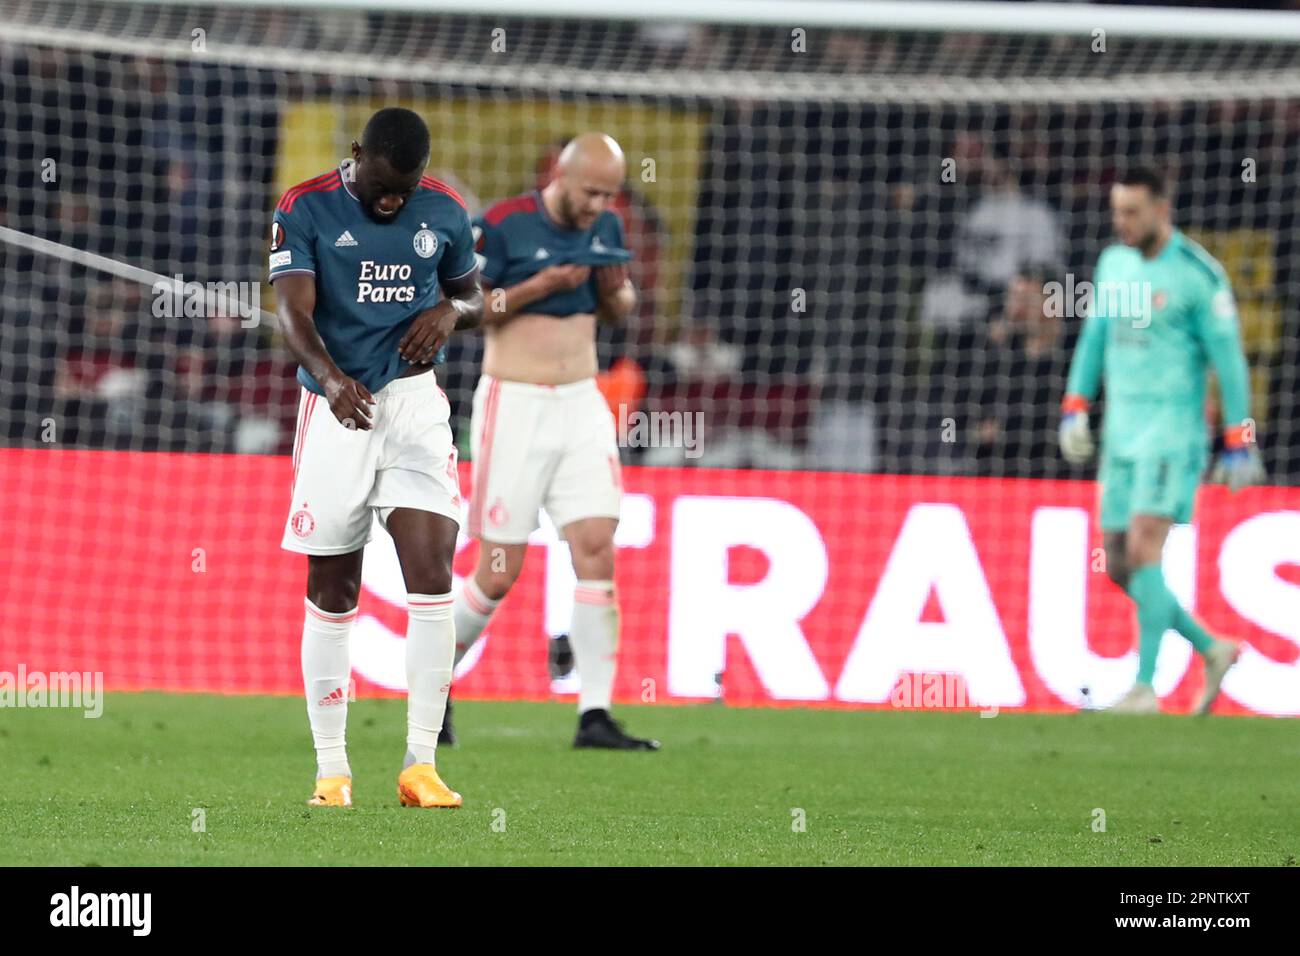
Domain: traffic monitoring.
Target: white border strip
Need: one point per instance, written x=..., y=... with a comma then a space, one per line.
x=1200, y=23
x=697, y=85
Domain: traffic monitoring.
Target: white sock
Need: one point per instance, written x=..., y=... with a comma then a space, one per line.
x=594, y=636
x=473, y=609
x=430, y=641
x=326, y=677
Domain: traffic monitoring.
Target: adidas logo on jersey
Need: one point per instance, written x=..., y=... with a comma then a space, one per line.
x=541, y=254
x=345, y=240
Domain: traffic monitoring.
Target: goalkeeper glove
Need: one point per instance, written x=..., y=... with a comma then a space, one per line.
x=1239, y=464
x=1076, y=436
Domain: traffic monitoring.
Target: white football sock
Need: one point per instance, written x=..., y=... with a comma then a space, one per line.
x=473, y=610
x=594, y=636
x=430, y=644
x=326, y=677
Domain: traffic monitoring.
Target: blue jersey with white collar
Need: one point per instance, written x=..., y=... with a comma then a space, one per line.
x=516, y=238
x=372, y=278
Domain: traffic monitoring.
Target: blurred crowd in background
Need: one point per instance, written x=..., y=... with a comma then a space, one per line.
x=846, y=305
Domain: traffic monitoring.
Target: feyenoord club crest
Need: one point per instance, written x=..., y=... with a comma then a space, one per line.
x=302, y=523
x=426, y=243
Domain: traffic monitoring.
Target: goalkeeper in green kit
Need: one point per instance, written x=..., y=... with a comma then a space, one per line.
x=1162, y=315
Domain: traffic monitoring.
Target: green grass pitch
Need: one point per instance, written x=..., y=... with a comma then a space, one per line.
x=728, y=788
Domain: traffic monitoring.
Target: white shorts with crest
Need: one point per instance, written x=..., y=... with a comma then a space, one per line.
x=343, y=475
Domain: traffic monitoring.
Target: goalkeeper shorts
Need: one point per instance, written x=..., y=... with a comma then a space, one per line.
x=1163, y=485
x=342, y=475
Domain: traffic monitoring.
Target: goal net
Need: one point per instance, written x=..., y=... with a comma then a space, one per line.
x=862, y=238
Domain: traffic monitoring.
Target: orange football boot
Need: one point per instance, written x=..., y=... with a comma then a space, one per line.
x=332, y=792
x=420, y=786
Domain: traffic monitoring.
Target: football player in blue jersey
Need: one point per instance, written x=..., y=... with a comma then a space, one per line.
x=553, y=263
x=373, y=267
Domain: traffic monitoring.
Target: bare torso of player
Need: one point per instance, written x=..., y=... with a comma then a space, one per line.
x=542, y=349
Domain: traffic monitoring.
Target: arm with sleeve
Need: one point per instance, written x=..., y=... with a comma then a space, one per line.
x=293, y=242
x=1220, y=333
x=1084, y=382
x=1089, y=353
x=1239, y=464
x=459, y=260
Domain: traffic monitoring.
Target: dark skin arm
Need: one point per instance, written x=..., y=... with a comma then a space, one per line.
x=349, y=400
x=432, y=327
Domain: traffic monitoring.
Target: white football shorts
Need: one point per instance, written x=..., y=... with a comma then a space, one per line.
x=343, y=475
x=541, y=446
